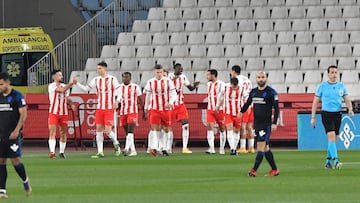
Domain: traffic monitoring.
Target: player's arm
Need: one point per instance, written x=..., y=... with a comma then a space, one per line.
x=220, y=97
x=275, y=102
x=70, y=103
x=247, y=104
x=64, y=88
x=349, y=105
x=193, y=86
x=313, y=110
x=23, y=114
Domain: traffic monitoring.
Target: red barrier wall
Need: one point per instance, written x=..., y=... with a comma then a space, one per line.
x=36, y=123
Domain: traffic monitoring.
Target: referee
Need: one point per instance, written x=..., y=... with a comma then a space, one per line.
x=264, y=100
x=12, y=118
x=331, y=94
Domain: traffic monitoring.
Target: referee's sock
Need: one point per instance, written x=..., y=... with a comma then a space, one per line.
x=258, y=160
x=20, y=170
x=333, y=151
x=3, y=176
x=270, y=158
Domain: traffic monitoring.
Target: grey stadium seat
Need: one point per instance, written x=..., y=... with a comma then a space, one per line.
x=125, y=38
x=231, y=38
x=211, y=26
x=142, y=38
x=273, y=63
x=178, y=38
x=309, y=63
x=324, y=50
x=232, y=51
x=285, y=38
x=160, y=39
x=291, y=63
x=305, y=50
x=190, y=14
x=213, y=38
x=193, y=26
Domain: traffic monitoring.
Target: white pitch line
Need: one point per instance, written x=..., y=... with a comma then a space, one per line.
x=351, y=163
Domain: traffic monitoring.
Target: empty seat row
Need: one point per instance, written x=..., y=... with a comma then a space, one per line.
x=181, y=38
x=320, y=50
x=252, y=3
x=317, y=24
x=256, y=12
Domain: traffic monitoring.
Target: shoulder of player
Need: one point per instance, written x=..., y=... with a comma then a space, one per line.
x=271, y=90
x=16, y=94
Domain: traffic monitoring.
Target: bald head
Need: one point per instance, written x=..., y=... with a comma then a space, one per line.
x=261, y=79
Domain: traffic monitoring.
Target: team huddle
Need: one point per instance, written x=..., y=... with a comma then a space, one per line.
x=230, y=105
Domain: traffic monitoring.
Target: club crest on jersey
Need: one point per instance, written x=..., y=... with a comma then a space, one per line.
x=341, y=93
x=14, y=147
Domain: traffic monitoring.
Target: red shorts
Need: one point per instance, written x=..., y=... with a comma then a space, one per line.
x=212, y=117
x=248, y=116
x=161, y=118
x=131, y=118
x=104, y=117
x=180, y=113
x=229, y=119
x=58, y=120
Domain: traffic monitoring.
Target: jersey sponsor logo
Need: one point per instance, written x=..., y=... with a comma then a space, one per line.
x=258, y=100
x=347, y=132
x=14, y=147
x=5, y=107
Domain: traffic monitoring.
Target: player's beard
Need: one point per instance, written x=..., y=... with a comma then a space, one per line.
x=261, y=83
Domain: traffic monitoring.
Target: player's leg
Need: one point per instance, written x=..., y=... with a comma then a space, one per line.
x=52, y=141
x=210, y=123
x=14, y=153
x=3, y=169
x=167, y=120
x=170, y=141
x=130, y=137
x=99, y=121
x=109, y=121
x=62, y=142
x=249, y=131
x=63, y=138
x=220, y=119
x=230, y=137
x=243, y=135
x=270, y=158
x=251, y=138
x=155, y=123
x=52, y=123
x=262, y=135
x=185, y=136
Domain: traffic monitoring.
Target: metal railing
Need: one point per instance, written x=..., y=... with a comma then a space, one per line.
x=86, y=42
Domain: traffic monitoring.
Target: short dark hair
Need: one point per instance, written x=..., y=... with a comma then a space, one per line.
x=126, y=73
x=4, y=76
x=213, y=72
x=55, y=71
x=234, y=81
x=103, y=64
x=166, y=71
x=177, y=65
x=236, y=68
x=158, y=66
x=332, y=66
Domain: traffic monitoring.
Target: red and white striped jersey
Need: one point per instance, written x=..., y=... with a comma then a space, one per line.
x=106, y=88
x=58, y=100
x=215, y=91
x=128, y=98
x=232, y=100
x=245, y=83
x=161, y=92
x=179, y=82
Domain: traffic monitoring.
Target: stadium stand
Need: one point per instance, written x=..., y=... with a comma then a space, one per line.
x=297, y=38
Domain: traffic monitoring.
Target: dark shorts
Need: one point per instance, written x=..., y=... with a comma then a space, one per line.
x=331, y=121
x=10, y=148
x=263, y=134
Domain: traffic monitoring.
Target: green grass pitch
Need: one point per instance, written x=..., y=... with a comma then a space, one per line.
x=186, y=178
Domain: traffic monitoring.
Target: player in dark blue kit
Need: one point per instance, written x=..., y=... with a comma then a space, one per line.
x=264, y=99
x=12, y=118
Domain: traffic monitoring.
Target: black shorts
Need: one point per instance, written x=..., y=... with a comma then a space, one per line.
x=10, y=148
x=263, y=134
x=331, y=121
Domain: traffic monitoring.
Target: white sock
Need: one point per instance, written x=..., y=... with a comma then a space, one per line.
x=52, y=145
x=132, y=142
x=251, y=142
x=211, y=139
x=236, y=139
x=242, y=143
x=113, y=138
x=185, y=135
x=222, y=139
x=170, y=140
x=127, y=142
x=230, y=138
x=62, y=147
x=166, y=136
x=154, y=140
x=100, y=141
x=160, y=138
x=149, y=140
